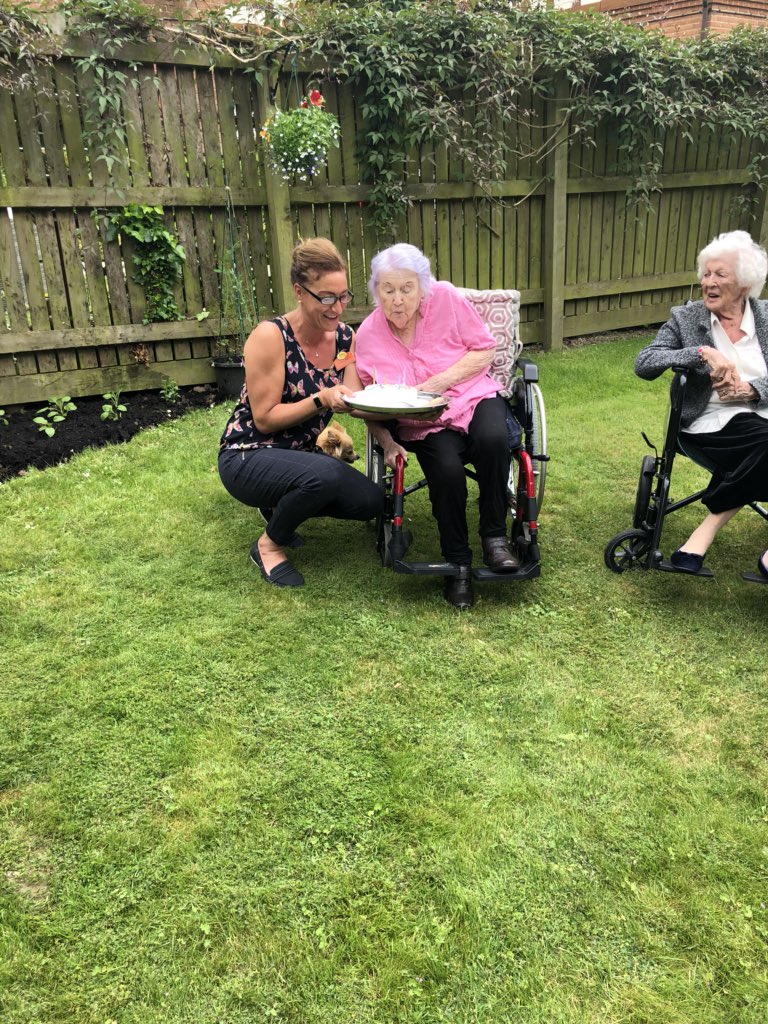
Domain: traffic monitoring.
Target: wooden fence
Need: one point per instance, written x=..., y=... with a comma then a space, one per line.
x=585, y=259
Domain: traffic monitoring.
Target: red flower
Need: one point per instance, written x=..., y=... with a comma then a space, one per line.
x=316, y=98
x=304, y=104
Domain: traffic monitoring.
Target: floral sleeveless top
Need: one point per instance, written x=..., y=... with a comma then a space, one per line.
x=301, y=380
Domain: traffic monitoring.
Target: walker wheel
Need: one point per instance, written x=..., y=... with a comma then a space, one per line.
x=644, y=488
x=626, y=549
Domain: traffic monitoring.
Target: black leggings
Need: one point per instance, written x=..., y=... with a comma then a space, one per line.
x=442, y=457
x=739, y=453
x=297, y=485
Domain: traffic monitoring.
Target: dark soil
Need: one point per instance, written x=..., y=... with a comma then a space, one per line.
x=22, y=445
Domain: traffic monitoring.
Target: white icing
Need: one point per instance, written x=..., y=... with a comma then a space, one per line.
x=392, y=396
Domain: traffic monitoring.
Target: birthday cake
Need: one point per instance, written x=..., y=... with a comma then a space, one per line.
x=393, y=396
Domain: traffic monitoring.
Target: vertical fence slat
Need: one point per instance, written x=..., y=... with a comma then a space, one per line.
x=72, y=274
x=23, y=240
x=358, y=257
x=555, y=227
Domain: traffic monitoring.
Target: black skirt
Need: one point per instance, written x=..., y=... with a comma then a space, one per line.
x=739, y=453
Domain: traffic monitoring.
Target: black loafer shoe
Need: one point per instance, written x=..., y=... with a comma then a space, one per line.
x=458, y=589
x=283, y=575
x=687, y=561
x=498, y=555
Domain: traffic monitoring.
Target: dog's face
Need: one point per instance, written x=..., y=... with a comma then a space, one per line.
x=335, y=441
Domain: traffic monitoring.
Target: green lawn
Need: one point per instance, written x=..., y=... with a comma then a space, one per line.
x=223, y=803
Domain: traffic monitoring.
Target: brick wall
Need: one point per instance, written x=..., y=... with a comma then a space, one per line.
x=190, y=10
x=685, y=19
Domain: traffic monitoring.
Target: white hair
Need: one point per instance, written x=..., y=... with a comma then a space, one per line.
x=401, y=257
x=749, y=259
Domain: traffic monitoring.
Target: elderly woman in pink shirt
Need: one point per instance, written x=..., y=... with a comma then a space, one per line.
x=424, y=334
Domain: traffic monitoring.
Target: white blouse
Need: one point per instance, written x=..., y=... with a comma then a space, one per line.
x=746, y=356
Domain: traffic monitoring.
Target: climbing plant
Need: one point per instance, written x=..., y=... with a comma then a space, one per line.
x=20, y=31
x=441, y=72
x=110, y=24
x=158, y=257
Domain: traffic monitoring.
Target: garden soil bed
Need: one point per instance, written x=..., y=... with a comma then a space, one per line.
x=22, y=445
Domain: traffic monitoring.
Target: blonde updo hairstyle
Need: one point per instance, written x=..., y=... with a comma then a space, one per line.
x=314, y=257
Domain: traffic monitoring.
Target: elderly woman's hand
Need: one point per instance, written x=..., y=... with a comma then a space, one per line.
x=391, y=450
x=719, y=366
x=733, y=389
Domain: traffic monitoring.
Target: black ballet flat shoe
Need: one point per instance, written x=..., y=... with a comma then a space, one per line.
x=498, y=555
x=283, y=575
x=686, y=561
x=458, y=589
x=761, y=576
x=296, y=541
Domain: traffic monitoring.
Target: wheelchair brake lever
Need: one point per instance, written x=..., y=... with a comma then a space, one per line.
x=653, y=447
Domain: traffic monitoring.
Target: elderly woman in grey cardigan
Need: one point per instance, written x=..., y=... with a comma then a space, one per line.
x=723, y=342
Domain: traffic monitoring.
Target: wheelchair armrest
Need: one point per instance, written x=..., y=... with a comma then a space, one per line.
x=530, y=370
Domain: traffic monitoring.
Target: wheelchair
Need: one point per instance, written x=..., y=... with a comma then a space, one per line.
x=641, y=546
x=518, y=385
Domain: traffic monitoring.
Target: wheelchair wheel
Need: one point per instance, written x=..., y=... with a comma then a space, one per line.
x=375, y=470
x=374, y=461
x=539, y=443
x=626, y=549
x=644, y=488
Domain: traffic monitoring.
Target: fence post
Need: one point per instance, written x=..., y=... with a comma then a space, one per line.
x=555, y=222
x=278, y=210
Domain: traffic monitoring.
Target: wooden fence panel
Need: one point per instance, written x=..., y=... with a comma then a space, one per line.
x=72, y=311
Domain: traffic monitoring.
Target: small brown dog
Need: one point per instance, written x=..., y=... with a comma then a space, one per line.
x=335, y=441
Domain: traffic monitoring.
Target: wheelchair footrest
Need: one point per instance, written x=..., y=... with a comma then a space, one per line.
x=668, y=567
x=425, y=568
x=752, y=577
x=529, y=571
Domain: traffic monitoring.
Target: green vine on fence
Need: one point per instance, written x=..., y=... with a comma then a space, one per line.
x=111, y=24
x=435, y=72
x=20, y=31
x=158, y=257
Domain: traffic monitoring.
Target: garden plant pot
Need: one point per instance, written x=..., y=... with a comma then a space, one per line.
x=230, y=375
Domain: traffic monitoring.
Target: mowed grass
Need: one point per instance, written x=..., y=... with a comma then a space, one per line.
x=224, y=803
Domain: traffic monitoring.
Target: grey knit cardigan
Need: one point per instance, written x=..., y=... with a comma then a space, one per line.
x=677, y=344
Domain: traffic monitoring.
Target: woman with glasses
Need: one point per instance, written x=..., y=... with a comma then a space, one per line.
x=298, y=367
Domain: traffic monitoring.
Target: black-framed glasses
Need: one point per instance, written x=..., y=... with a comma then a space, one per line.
x=329, y=300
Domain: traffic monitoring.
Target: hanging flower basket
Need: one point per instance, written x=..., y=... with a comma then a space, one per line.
x=298, y=140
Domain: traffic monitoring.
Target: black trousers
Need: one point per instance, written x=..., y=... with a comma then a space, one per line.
x=297, y=485
x=442, y=457
x=740, y=454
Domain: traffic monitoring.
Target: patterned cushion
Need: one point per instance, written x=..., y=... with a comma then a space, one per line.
x=499, y=308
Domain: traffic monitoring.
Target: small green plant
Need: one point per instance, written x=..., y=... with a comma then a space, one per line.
x=158, y=257
x=170, y=392
x=299, y=140
x=3, y=420
x=112, y=408
x=56, y=411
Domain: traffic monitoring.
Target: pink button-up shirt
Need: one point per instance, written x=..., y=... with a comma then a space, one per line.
x=447, y=330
